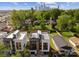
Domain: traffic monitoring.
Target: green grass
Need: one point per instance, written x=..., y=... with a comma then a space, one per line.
x=67, y=34
x=49, y=27
x=51, y=42
x=37, y=27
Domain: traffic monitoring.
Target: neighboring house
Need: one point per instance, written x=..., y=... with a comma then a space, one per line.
x=2, y=25
x=59, y=42
x=36, y=22
x=74, y=41
x=28, y=21
x=39, y=43
x=7, y=29
x=61, y=45
x=2, y=36
x=16, y=41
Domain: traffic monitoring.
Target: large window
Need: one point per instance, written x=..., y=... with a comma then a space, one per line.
x=33, y=45
x=45, y=46
x=18, y=45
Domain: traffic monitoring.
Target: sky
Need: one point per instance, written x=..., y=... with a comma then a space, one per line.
x=29, y=5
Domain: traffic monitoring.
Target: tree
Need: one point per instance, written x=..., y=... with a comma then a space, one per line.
x=3, y=50
x=76, y=16
x=54, y=13
x=76, y=28
x=68, y=12
x=18, y=18
x=26, y=51
x=17, y=54
x=64, y=22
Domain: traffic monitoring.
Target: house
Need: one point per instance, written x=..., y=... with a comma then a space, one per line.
x=16, y=41
x=74, y=41
x=7, y=29
x=39, y=43
x=36, y=22
x=2, y=36
x=28, y=21
x=61, y=45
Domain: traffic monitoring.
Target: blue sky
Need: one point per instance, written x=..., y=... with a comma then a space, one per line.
x=28, y=5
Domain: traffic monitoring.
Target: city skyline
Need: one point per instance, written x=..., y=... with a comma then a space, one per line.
x=29, y=5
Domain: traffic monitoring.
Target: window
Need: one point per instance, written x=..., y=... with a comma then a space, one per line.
x=45, y=46
x=18, y=45
x=33, y=45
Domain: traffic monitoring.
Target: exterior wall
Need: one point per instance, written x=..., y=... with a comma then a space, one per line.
x=23, y=42
x=21, y=46
x=11, y=45
x=43, y=47
x=46, y=41
x=32, y=39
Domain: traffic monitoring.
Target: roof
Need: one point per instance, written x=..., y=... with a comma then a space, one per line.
x=19, y=37
x=46, y=36
x=59, y=41
x=22, y=35
x=39, y=32
x=75, y=40
x=34, y=35
x=7, y=29
x=3, y=34
x=11, y=35
x=15, y=32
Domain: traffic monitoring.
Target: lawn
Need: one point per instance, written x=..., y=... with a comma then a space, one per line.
x=67, y=34
x=51, y=42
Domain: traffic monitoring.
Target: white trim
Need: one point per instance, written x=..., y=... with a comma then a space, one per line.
x=72, y=43
x=47, y=47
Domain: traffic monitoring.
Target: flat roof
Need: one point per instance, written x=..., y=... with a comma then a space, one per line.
x=46, y=36
x=34, y=35
x=75, y=40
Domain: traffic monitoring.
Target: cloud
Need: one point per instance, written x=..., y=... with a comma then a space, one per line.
x=50, y=3
x=25, y=4
x=67, y=4
x=15, y=3
x=47, y=3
